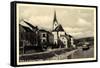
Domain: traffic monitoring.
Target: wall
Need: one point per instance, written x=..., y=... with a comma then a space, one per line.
x=5, y=34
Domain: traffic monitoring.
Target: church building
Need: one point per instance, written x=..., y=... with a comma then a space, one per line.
x=61, y=39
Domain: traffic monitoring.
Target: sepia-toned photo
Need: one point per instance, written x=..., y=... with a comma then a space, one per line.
x=55, y=34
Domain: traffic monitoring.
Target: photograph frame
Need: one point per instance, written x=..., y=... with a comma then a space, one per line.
x=13, y=34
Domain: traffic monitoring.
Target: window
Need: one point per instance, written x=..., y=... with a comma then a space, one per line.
x=43, y=40
x=44, y=35
x=64, y=41
x=62, y=37
x=55, y=24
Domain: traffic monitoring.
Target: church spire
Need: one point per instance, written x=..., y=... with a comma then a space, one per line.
x=55, y=22
x=55, y=19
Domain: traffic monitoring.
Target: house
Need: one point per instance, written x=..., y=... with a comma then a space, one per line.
x=28, y=34
x=34, y=36
x=46, y=38
x=27, y=38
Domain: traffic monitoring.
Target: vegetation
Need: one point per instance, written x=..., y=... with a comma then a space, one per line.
x=82, y=41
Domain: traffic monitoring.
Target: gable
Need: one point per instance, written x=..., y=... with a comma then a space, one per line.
x=59, y=28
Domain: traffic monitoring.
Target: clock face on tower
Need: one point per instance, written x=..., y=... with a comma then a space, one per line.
x=55, y=25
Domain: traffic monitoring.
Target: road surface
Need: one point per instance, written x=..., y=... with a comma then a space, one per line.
x=59, y=54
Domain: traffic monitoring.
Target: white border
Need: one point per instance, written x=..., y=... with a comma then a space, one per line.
x=54, y=61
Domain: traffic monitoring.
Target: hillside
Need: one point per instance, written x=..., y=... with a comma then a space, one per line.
x=81, y=41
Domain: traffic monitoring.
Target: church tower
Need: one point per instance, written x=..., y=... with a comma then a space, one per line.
x=55, y=22
x=59, y=33
x=61, y=39
x=55, y=25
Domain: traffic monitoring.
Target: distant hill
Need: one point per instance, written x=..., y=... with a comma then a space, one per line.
x=81, y=41
x=86, y=38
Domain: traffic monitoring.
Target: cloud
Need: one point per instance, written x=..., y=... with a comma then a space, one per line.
x=77, y=22
x=71, y=29
x=42, y=21
x=83, y=23
x=82, y=34
x=78, y=32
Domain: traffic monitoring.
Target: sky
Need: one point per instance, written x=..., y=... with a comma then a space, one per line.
x=76, y=21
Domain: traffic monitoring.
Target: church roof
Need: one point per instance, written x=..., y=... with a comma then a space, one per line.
x=59, y=28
